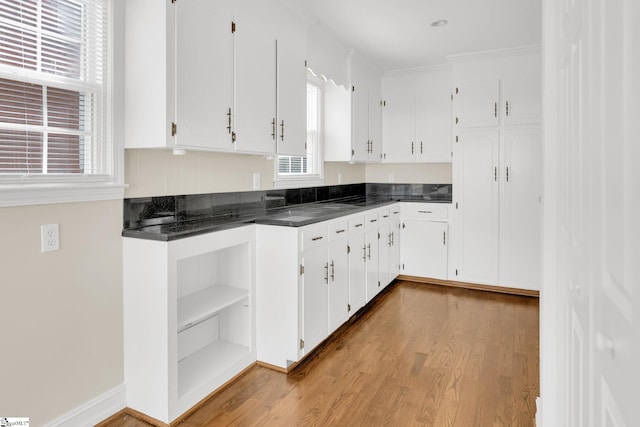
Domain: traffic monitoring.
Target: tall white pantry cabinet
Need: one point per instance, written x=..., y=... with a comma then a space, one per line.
x=498, y=170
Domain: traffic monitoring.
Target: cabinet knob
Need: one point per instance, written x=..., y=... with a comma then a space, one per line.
x=604, y=343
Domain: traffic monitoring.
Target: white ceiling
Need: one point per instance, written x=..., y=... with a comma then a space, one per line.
x=397, y=33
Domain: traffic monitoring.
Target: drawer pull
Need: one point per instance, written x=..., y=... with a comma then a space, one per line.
x=385, y=216
x=425, y=212
x=316, y=238
x=358, y=225
x=340, y=231
x=373, y=220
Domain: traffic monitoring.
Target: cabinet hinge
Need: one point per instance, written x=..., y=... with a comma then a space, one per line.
x=378, y=283
x=173, y=1
x=456, y=271
x=301, y=269
x=348, y=249
x=457, y=91
x=403, y=266
x=403, y=225
x=457, y=120
x=452, y=97
x=384, y=103
x=457, y=138
x=353, y=152
x=174, y=128
x=456, y=205
x=353, y=88
x=301, y=344
x=305, y=62
x=233, y=27
x=378, y=236
x=233, y=137
x=348, y=307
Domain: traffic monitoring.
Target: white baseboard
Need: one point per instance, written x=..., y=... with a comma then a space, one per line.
x=95, y=410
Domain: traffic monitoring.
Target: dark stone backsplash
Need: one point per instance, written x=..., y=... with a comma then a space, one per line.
x=146, y=211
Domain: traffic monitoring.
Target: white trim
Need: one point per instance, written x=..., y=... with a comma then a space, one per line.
x=473, y=56
x=418, y=70
x=95, y=410
x=28, y=195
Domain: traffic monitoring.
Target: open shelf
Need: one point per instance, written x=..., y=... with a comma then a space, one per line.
x=207, y=363
x=200, y=306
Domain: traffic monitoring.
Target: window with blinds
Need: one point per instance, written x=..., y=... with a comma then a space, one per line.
x=53, y=88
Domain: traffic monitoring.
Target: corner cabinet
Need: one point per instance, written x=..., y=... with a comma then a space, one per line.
x=189, y=318
x=207, y=76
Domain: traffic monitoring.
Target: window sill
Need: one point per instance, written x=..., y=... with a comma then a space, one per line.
x=50, y=193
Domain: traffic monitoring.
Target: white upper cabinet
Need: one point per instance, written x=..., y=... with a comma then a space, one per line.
x=291, y=122
x=254, y=116
x=213, y=77
x=416, y=116
x=478, y=103
x=204, y=75
x=522, y=100
x=366, y=111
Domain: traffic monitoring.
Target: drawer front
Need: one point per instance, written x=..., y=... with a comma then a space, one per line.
x=394, y=210
x=384, y=216
x=371, y=220
x=356, y=224
x=428, y=211
x=338, y=230
x=313, y=236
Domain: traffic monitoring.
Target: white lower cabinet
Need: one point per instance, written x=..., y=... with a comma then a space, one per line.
x=315, y=297
x=425, y=241
x=338, y=275
x=357, y=264
x=189, y=317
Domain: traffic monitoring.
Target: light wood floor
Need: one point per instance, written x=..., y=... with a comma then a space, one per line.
x=422, y=355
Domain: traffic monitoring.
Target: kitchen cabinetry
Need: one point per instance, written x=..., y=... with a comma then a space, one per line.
x=424, y=247
x=357, y=264
x=371, y=241
x=367, y=112
x=394, y=242
x=417, y=127
x=338, y=274
x=212, y=78
x=497, y=215
x=188, y=318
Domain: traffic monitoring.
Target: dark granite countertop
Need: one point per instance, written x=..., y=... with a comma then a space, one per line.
x=163, y=223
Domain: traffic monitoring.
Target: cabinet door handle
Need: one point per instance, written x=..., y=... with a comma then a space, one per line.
x=229, y=121
x=326, y=273
x=393, y=238
x=420, y=147
x=333, y=272
x=282, y=130
x=495, y=109
x=316, y=238
x=507, y=173
x=495, y=173
x=411, y=147
x=273, y=129
x=507, y=109
x=364, y=248
x=390, y=240
x=369, y=250
x=444, y=238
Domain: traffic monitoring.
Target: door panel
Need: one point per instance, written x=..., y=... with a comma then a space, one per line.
x=424, y=248
x=476, y=104
x=315, y=309
x=338, y=284
x=399, y=128
x=357, y=273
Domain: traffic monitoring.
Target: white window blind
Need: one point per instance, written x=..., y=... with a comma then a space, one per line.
x=54, y=94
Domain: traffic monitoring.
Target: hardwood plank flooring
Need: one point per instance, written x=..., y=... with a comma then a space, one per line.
x=421, y=355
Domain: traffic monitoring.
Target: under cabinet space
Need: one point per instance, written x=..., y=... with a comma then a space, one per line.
x=212, y=345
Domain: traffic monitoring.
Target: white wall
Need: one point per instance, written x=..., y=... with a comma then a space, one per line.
x=61, y=327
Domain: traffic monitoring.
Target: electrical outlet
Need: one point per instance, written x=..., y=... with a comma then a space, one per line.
x=50, y=237
x=391, y=177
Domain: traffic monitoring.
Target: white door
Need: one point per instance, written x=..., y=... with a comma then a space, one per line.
x=204, y=75
x=315, y=296
x=360, y=113
x=291, y=122
x=394, y=249
x=357, y=273
x=476, y=103
x=522, y=100
x=255, y=89
x=590, y=291
x=433, y=126
x=375, y=119
x=399, y=128
x=338, y=284
x=476, y=207
x=373, y=279
x=424, y=248
x=615, y=247
x=384, y=254
x=521, y=209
